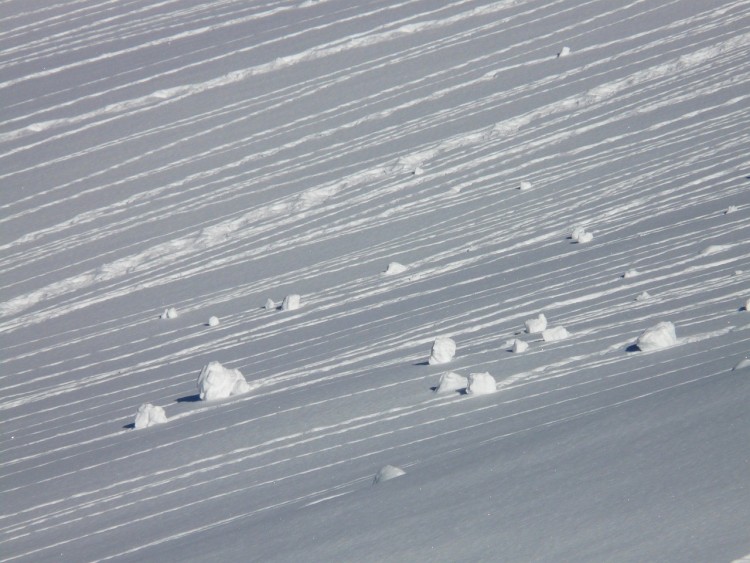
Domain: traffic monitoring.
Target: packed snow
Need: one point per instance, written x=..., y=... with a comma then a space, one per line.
x=443, y=350
x=203, y=156
x=555, y=333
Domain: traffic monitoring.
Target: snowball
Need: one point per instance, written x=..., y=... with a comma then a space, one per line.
x=519, y=346
x=556, y=333
x=386, y=473
x=149, y=415
x=213, y=321
x=660, y=336
x=524, y=185
x=564, y=52
x=169, y=313
x=631, y=273
x=394, y=268
x=270, y=305
x=443, y=350
x=217, y=382
x=451, y=381
x=643, y=296
x=535, y=326
x=481, y=384
x=291, y=302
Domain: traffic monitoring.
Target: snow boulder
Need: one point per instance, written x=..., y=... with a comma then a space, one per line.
x=535, y=326
x=443, y=350
x=481, y=384
x=270, y=305
x=524, y=185
x=554, y=334
x=519, y=346
x=149, y=415
x=645, y=296
x=291, y=302
x=217, y=382
x=450, y=382
x=213, y=321
x=394, y=268
x=657, y=337
x=169, y=313
x=631, y=273
x=564, y=52
x=386, y=473
x=747, y=304
x=581, y=235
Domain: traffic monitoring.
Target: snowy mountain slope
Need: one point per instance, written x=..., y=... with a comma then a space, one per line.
x=208, y=156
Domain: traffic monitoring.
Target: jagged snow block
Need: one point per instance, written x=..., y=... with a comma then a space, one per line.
x=577, y=232
x=657, y=337
x=535, y=326
x=213, y=321
x=217, y=382
x=450, y=382
x=519, y=346
x=747, y=304
x=524, y=185
x=418, y=171
x=643, y=296
x=291, y=302
x=169, y=313
x=270, y=305
x=481, y=384
x=554, y=334
x=631, y=273
x=394, y=268
x=585, y=237
x=149, y=415
x=443, y=350
x=564, y=52
x=386, y=473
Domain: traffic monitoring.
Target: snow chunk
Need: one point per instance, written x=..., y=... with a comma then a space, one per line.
x=169, y=313
x=657, y=337
x=387, y=472
x=747, y=304
x=149, y=415
x=631, y=273
x=270, y=305
x=217, y=382
x=581, y=235
x=643, y=296
x=535, y=326
x=394, y=268
x=443, y=350
x=418, y=171
x=524, y=185
x=564, y=52
x=554, y=334
x=519, y=346
x=731, y=209
x=742, y=364
x=716, y=249
x=213, y=321
x=291, y=302
x=481, y=384
x=451, y=381
x=585, y=237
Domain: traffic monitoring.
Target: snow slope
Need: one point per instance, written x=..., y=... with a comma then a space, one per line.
x=210, y=156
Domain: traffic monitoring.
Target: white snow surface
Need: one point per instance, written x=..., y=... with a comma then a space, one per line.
x=208, y=155
x=661, y=335
x=217, y=382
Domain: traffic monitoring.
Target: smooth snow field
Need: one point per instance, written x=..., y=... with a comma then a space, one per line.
x=344, y=183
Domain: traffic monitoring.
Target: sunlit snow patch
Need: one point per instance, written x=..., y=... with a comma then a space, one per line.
x=535, y=326
x=386, y=473
x=657, y=337
x=217, y=382
x=291, y=302
x=481, y=384
x=450, y=382
x=443, y=350
x=394, y=268
x=149, y=415
x=554, y=334
x=170, y=313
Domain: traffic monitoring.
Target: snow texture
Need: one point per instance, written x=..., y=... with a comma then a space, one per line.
x=661, y=335
x=555, y=333
x=291, y=302
x=443, y=350
x=481, y=384
x=217, y=382
x=149, y=415
x=537, y=325
x=169, y=313
x=450, y=382
x=387, y=473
